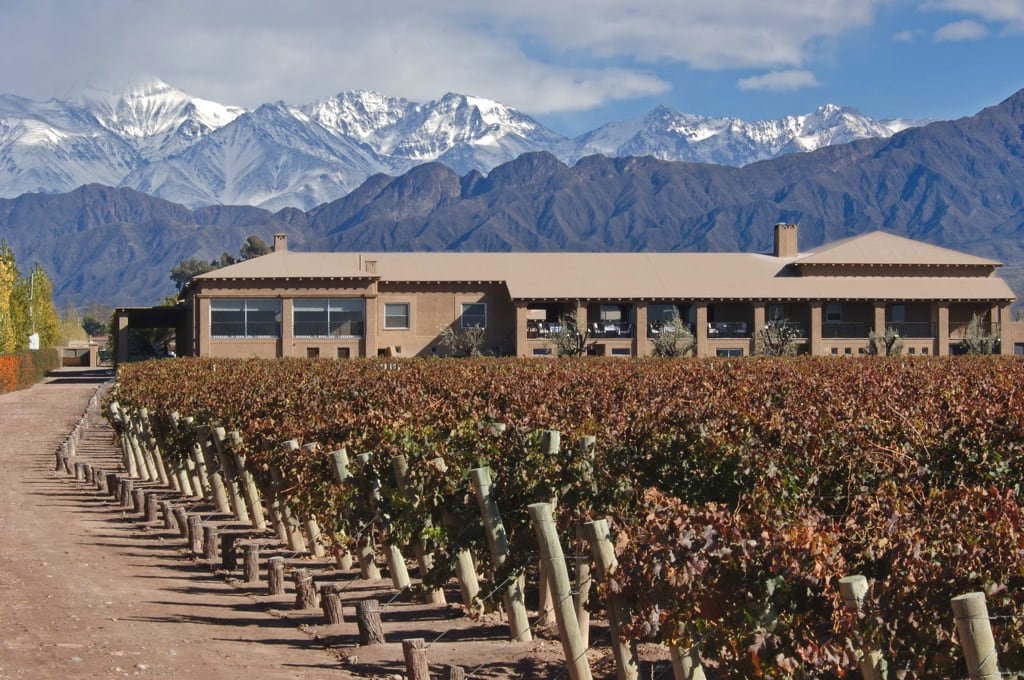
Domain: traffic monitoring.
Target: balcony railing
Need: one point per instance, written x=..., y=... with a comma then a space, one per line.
x=912, y=329
x=238, y=329
x=844, y=329
x=960, y=330
x=542, y=329
x=656, y=328
x=610, y=329
x=798, y=328
x=728, y=329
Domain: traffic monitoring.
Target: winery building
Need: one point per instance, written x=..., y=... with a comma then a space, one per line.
x=341, y=305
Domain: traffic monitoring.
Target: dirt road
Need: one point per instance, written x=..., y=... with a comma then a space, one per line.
x=86, y=593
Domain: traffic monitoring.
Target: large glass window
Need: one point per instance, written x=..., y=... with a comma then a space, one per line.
x=241, y=318
x=474, y=315
x=322, y=318
x=396, y=315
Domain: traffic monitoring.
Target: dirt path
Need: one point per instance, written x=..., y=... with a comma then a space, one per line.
x=85, y=594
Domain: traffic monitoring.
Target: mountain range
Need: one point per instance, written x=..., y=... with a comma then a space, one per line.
x=958, y=184
x=168, y=144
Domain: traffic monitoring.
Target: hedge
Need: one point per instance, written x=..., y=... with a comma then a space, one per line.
x=24, y=369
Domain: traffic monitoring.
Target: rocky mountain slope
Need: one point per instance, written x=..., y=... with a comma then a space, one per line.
x=958, y=184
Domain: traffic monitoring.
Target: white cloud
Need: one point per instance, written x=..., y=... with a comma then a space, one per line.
x=1008, y=13
x=539, y=55
x=965, y=29
x=780, y=81
x=907, y=36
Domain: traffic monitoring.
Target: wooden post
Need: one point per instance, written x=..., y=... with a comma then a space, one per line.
x=974, y=629
x=400, y=466
x=452, y=672
x=605, y=565
x=139, y=501
x=291, y=523
x=371, y=632
x=364, y=555
x=585, y=449
x=195, y=534
x=113, y=485
x=252, y=563
x=167, y=512
x=686, y=664
x=415, y=652
x=854, y=590
x=305, y=590
x=550, y=443
x=228, y=556
x=79, y=472
x=396, y=566
x=231, y=481
x=249, y=488
x=211, y=541
x=150, y=504
x=561, y=591
x=339, y=461
x=275, y=575
x=126, y=492
x=99, y=476
x=497, y=541
x=330, y=600
x=218, y=488
x=314, y=541
x=181, y=519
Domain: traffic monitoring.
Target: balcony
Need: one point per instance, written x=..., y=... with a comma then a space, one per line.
x=845, y=329
x=610, y=329
x=728, y=329
x=912, y=329
x=656, y=328
x=542, y=329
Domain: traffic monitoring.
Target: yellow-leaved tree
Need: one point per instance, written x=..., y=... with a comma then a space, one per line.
x=8, y=280
x=26, y=306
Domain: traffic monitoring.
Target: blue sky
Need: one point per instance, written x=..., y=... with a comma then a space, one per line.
x=572, y=64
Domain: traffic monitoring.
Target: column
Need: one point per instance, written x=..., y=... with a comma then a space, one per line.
x=817, y=346
x=641, y=347
x=1006, y=337
x=879, y=318
x=581, y=317
x=287, y=340
x=702, y=329
x=760, y=323
x=203, y=329
x=371, y=325
x=942, y=329
x=122, y=338
x=522, y=318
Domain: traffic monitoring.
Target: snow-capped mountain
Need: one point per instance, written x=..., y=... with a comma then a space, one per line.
x=671, y=135
x=156, y=119
x=164, y=142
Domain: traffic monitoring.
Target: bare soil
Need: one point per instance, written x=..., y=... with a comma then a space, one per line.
x=89, y=590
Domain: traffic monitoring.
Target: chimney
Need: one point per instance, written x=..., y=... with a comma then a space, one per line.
x=785, y=240
x=280, y=243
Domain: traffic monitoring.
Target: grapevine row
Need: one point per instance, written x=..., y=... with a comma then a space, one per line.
x=740, y=492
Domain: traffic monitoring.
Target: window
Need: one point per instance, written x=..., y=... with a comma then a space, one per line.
x=620, y=352
x=245, y=318
x=312, y=352
x=474, y=315
x=776, y=312
x=344, y=353
x=396, y=315
x=322, y=318
x=833, y=312
x=728, y=352
x=898, y=313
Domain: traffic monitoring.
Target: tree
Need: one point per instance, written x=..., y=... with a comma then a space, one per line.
x=674, y=338
x=254, y=246
x=977, y=340
x=776, y=339
x=885, y=345
x=8, y=278
x=462, y=341
x=568, y=341
x=189, y=269
x=93, y=326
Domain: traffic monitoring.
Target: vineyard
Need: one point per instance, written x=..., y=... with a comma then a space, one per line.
x=738, y=493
